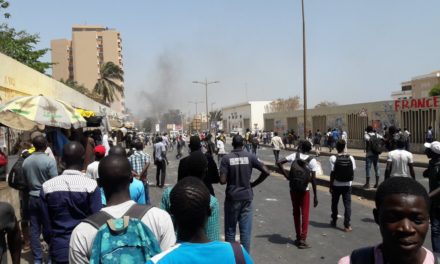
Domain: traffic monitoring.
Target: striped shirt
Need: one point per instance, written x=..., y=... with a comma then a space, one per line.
x=212, y=227
x=66, y=200
x=138, y=160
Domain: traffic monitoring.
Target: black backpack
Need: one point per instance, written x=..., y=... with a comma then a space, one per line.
x=299, y=175
x=16, y=177
x=343, y=169
x=375, y=144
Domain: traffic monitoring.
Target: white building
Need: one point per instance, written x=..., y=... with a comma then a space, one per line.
x=245, y=115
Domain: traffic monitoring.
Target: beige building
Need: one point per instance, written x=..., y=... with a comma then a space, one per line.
x=417, y=87
x=81, y=58
x=240, y=117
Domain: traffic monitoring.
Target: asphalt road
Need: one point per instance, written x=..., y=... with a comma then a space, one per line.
x=273, y=229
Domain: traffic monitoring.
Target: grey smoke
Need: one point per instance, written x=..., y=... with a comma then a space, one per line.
x=161, y=92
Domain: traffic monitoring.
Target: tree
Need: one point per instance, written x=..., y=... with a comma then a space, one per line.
x=173, y=116
x=19, y=45
x=435, y=91
x=215, y=116
x=110, y=82
x=3, y=5
x=283, y=105
x=326, y=104
x=74, y=85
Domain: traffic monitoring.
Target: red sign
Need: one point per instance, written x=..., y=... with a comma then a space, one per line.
x=430, y=102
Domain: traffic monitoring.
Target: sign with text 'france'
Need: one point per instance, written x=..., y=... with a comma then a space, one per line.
x=419, y=103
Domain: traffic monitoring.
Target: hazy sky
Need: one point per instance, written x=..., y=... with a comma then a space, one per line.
x=358, y=51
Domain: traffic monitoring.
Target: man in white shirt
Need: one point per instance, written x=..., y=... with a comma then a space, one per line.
x=161, y=161
x=220, y=150
x=92, y=169
x=115, y=177
x=372, y=157
x=342, y=168
x=400, y=162
x=277, y=144
x=301, y=199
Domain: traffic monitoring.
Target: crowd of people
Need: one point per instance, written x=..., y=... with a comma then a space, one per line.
x=101, y=211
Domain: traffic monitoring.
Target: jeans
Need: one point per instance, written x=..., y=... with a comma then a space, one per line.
x=241, y=212
x=161, y=169
x=248, y=147
x=147, y=193
x=36, y=225
x=276, y=153
x=435, y=228
x=345, y=192
x=301, y=207
x=372, y=160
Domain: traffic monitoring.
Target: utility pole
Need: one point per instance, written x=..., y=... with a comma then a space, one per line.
x=206, y=83
x=304, y=68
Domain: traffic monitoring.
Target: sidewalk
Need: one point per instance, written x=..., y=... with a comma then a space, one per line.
x=357, y=189
x=420, y=160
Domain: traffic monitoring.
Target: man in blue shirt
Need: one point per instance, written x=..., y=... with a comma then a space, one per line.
x=66, y=200
x=137, y=189
x=235, y=171
x=37, y=169
x=190, y=207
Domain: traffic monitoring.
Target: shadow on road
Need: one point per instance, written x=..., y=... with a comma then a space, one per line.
x=368, y=220
x=277, y=239
x=319, y=225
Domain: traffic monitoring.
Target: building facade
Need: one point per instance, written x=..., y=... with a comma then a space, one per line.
x=239, y=117
x=81, y=58
x=417, y=87
x=414, y=114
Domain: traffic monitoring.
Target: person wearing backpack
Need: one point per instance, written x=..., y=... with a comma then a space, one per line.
x=432, y=151
x=302, y=172
x=342, y=168
x=402, y=214
x=190, y=206
x=373, y=150
x=123, y=224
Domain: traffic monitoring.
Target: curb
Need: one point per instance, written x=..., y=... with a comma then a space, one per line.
x=356, y=189
x=357, y=157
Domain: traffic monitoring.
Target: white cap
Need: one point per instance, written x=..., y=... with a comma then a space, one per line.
x=434, y=146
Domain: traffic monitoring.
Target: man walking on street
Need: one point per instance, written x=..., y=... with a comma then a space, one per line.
x=341, y=177
x=277, y=144
x=373, y=143
x=161, y=161
x=37, y=169
x=302, y=172
x=400, y=161
x=235, y=171
x=432, y=151
x=317, y=142
x=140, y=162
x=66, y=200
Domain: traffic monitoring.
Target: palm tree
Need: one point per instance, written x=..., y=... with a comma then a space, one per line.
x=110, y=82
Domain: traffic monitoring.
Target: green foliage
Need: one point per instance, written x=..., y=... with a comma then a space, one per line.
x=148, y=124
x=20, y=46
x=74, y=84
x=111, y=80
x=435, y=91
x=3, y=5
x=215, y=116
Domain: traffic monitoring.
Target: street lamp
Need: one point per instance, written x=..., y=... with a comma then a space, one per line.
x=196, y=103
x=206, y=83
x=304, y=68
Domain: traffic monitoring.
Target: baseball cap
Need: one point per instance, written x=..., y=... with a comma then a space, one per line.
x=100, y=149
x=434, y=146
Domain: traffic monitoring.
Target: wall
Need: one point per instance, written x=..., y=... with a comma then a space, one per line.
x=17, y=79
x=60, y=58
x=257, y=111
x=85, y=58
x=234, y=116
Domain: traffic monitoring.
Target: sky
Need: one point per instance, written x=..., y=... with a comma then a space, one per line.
x=357, y=51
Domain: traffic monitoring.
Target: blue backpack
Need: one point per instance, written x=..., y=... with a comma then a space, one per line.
x=123, y=240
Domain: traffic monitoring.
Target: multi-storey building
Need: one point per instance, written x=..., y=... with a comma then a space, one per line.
x=81, y=58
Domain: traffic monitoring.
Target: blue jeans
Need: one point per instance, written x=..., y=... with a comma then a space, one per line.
x=372, y=160
x=36, y=225
x=345, y=192
x=435, y=229
x=241, y=212
x=147, y=193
